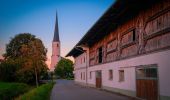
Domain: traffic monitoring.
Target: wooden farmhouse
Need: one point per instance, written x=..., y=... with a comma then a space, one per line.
x=127, y=50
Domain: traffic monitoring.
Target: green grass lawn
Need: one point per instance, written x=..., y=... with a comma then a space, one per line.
x=40, y=93
x=9, y=91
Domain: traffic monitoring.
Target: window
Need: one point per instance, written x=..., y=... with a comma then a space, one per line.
x=140, y=73
x=121, y=76
x=151, y=72
x=110, y=74
x=74, y=76
x=134, y=35
x=111, y=45
x=81, y=75
x=84, y=76
x=146, y=73
x=160, y=23
x=100, y=55
x=128, y=37
x=84, y=59
x=90, y=75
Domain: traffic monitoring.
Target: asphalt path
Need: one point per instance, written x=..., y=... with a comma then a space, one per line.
x=67, y=90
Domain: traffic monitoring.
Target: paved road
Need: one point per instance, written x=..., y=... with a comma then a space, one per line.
x=67, y=90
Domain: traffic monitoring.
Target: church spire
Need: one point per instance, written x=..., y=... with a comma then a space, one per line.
x=56, y=31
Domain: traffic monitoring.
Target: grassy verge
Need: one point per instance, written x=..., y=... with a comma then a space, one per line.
x=40, y=93
x=70, y=78
x=8, y=91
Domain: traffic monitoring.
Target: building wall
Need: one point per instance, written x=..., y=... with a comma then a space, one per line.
x=128, y=86
x=80, y=61
x=143, y=40
x=129, y=65
x=80, y=68
x=80, y=76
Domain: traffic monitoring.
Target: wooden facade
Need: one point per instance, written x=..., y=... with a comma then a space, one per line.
x=128, y=50
x=147, y=32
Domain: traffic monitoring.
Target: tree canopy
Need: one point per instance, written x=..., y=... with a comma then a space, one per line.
x=64, y=68
x=29, y=55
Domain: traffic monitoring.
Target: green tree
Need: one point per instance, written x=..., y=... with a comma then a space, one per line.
x=30, y=53
x=64, y=68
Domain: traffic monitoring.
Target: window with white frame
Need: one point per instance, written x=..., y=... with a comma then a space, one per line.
x=146, y=73
x=90, y=75
x=110, y=74
x=84, y=75
x=121, y=76
x=84, y=59
x=81, y=75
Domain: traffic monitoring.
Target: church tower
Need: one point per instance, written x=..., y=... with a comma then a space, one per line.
x=55, y=47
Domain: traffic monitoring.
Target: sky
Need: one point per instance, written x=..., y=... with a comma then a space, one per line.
x=75, y=18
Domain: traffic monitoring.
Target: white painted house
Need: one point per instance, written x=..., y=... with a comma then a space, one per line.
x=127, y=50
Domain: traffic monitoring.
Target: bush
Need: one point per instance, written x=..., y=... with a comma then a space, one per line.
x=7, y=70
x=9, y=91
x=40, y=93
x=70, y=78
x=64, y=68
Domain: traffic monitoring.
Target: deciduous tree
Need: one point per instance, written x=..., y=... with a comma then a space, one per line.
x=64, y=68
x=31, y=54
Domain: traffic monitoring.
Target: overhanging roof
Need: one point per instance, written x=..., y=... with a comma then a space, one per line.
x=76, y=51
x=117, y=14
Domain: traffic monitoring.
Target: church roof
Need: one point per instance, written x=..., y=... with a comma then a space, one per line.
x=56, y=31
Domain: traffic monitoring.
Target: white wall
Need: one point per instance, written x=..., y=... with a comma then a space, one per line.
x=80, y=67
x=78, y=63
x=160, y=58
x=78, y=75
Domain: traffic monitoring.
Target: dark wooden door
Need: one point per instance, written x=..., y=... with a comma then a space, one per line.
x=147, y=84
x=98, y=79
x=147, y=89
x=98, y=83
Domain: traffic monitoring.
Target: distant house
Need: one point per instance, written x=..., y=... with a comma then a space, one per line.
x=127, y=50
